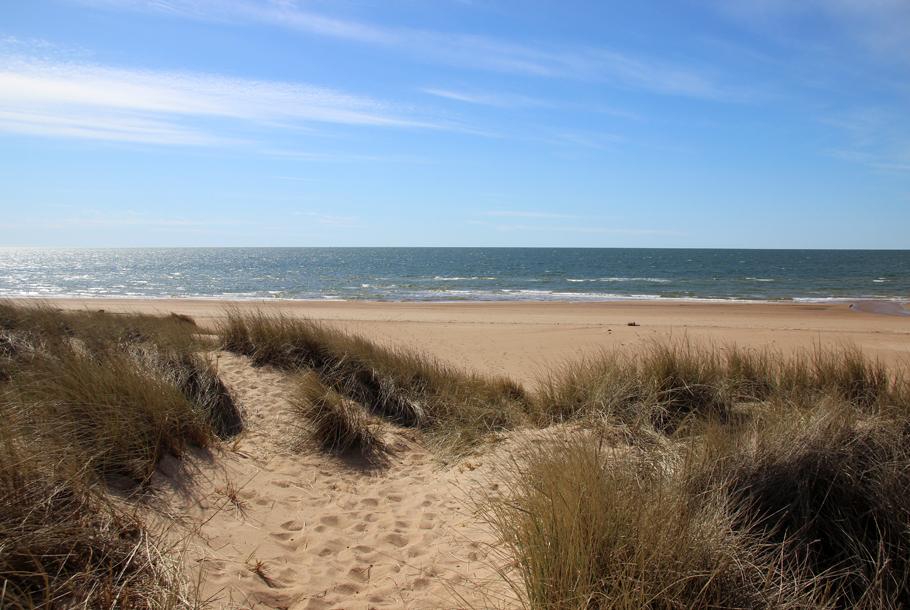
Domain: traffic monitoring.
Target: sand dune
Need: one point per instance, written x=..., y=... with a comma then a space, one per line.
x=323, y=532
x=269, y=524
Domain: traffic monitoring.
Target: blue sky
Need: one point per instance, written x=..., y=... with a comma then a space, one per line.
x=678, y=123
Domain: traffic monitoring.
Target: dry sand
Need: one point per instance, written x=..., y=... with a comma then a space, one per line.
x=326, y=533
x=522, y=339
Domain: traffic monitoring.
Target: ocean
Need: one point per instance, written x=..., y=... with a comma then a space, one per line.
x=457, y=274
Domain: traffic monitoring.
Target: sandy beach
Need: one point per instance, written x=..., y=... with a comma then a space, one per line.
x=522, y=339
x=377, y=306
x=265, y=522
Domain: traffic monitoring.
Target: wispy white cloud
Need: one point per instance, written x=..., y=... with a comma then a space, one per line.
x=584, y=139
x=336, y=157
x=32, y=44
x=898, y=163
x=511, y=100
x=99, y=126
x=463, y=50
x=877, y=26
x=499, y=100
x=876, y=137
x=856, y=54
x=98, y=102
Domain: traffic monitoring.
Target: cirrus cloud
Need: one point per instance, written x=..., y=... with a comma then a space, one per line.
x=90, y=101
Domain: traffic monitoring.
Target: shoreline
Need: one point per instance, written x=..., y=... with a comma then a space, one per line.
x=524, y=339
x=859, y=301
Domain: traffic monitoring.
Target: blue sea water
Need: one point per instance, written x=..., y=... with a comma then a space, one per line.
x=456, y=274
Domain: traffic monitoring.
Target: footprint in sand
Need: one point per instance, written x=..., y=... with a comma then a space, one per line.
x=282, y=536
x=346, y=589
x=360, y=574
x=415, y=552
x=395, y=539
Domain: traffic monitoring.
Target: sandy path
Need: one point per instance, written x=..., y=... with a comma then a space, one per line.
x=329, y=534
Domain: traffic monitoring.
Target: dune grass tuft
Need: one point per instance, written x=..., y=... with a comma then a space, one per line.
x=793, y=508
x=664, y=386
x=197, y=379
x=90, y=402
x=586, y=526
x=408, y=388
x=668, y=385
x=337, y=424
x=828, y=488
x=98, y=330
x=63, y=544
x=118, y=391
x=108, y=410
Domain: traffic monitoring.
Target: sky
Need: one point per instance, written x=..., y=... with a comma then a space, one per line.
x=655, y=123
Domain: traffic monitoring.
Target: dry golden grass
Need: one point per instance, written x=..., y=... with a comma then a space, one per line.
x=826, y=489
x=793, y=508
x=117, y=392
x=65, y=544
x=197, y=379
x=586, y=526
x=335, y=423
x=98, y=330
x=90, y=400
x=456, y=408
x=110, y=412
x=670, y=385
